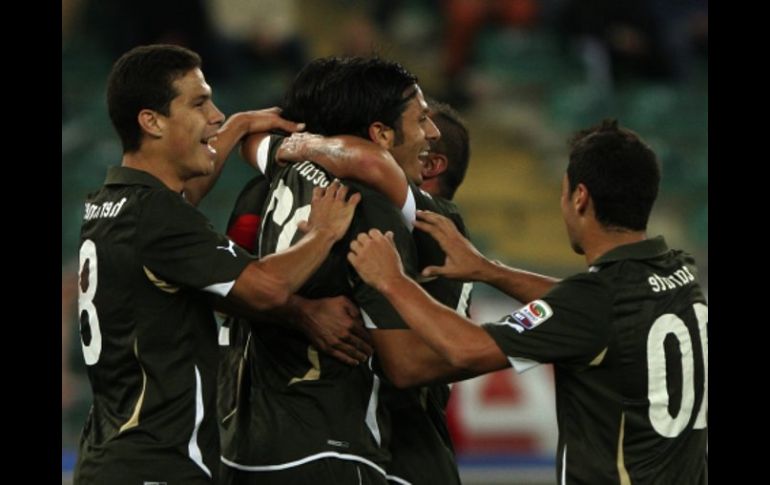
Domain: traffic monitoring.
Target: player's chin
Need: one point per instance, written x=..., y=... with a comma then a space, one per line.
x=416, y=175
x=204, y=167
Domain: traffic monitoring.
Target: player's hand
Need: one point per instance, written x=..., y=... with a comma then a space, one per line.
x=297, y=147
x=374, y=257
x=329, y=210
x=463, y=261
x=260, y=121
x=334, y=326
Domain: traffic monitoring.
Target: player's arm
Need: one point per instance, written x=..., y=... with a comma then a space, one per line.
x=408, y=361
x=465, y=262
x=468, y=349
x=270, y=281
x=229, y=135
x=344, y=156
x=333, y=325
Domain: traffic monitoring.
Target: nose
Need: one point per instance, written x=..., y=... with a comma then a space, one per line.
x=216, y=117
x=432, y=133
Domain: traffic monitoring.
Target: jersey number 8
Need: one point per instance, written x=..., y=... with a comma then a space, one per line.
x=89, y=318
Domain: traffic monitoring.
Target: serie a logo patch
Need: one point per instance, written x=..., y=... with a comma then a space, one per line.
x=529, y=316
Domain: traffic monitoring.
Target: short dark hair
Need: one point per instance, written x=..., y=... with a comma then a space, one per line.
x=621, y=172
x=454, y=144
x=335, y=95
x=142, y=78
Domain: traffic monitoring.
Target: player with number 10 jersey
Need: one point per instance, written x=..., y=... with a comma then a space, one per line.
x=621, y=336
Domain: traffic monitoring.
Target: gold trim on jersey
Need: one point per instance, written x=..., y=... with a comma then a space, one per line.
x=599, y=358
x=622, y=472
x=133, y=421
x=314, y=373
x=159, y=283
x=424, y=398
x=241, y=367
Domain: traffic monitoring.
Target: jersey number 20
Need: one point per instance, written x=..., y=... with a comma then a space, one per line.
x=281, y=204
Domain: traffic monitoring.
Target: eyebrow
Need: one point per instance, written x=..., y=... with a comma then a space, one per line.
x=201, y=97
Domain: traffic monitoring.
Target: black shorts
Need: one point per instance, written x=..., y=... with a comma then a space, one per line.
x=126, y=470
x=326, y=471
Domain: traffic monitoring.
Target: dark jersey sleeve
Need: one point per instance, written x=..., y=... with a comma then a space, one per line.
x=178, y=245
x=429, y=252
x=272, y=167
x=569, y=325
x=243, y=226
x=450, y=210
x=452, y=293
x=375, y=211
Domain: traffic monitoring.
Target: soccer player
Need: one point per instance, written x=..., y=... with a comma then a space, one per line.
x=628, y=338
x=333, y=324
x=419, y=429
x=288, y=384
x=421, y=448
x=147, y=261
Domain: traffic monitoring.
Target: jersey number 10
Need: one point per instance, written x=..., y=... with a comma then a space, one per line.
x=657, y=390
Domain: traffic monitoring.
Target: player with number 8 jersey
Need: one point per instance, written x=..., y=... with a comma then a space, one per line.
x=151, y=350
x=152, y=269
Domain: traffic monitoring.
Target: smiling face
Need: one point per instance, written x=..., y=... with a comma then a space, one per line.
x=414, y=137
x=193, y=120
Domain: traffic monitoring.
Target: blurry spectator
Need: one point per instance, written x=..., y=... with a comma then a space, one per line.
x=124, y=24
x=465, y=19
x=262, y=32
x=647, y=39
x=70, y=10
x=359, y=36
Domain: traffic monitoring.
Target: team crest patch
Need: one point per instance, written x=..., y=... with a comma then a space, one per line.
x=529, y=316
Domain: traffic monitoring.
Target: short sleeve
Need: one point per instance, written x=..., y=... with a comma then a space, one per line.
x=266, y=156
x=570, y=324
x=177, y=244
x=377, y=212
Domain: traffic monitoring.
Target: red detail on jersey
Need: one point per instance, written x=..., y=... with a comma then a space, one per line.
x=244, y=231
x=499, y=388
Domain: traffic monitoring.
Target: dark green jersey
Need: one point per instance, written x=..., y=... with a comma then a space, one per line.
x=245, y=220
x=421, y=448
x=148, y=335
x=452, y=293
x=295, y=404
x=243, y=228
x=629, y=344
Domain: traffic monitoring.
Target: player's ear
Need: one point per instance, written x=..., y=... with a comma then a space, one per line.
x=382, y=134
x=151, y=123
x=580, y=198
x=434, y=165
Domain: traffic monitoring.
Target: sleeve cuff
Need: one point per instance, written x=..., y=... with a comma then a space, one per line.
x=521, y=364
x=409, y=210
x=262, y=151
